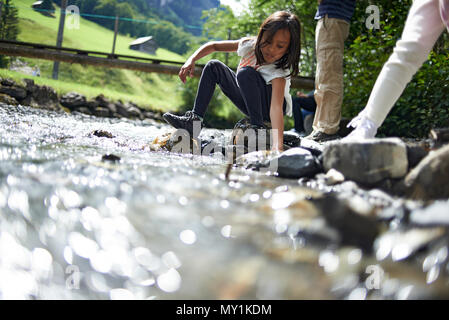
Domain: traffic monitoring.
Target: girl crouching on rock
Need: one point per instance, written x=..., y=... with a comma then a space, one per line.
x=260, y=87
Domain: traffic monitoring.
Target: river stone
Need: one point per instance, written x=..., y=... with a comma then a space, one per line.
x=41, y=96
x=368, y=161
x=256, y=160
x=7, y=82
x=101, y=112
x=436, y=214
x=430, y=178
x=4, y=98
x=292, y=139
x=354, y=228
x=121, y=109
x=16, y=92
x=296, y=163
x=73, y=100
x=415, y=153
x=133, y=110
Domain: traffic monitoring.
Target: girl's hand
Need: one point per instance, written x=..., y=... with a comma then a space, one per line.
x=187, y=70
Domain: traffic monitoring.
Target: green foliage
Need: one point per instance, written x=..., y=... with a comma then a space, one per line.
x=424, y=103
x=9, y=28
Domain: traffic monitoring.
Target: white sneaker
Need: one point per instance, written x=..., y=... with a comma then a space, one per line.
x=364, y=129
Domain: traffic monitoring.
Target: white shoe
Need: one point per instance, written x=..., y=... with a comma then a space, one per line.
x=364, y=129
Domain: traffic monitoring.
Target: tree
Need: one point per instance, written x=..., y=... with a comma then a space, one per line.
x=9, y=28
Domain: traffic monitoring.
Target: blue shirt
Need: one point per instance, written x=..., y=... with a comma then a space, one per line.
x=340, y=9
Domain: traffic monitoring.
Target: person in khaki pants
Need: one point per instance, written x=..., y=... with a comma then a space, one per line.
x=332, y=29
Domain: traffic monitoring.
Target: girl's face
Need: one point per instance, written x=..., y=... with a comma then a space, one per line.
x=276, y=48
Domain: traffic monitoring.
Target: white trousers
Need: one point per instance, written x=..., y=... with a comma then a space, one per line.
x=425, y=23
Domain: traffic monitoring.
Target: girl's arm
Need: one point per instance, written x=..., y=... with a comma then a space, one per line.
x=189, y=66
x=276, y=113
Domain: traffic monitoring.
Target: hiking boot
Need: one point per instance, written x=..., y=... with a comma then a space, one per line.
x=188, y=122
x=319, y=136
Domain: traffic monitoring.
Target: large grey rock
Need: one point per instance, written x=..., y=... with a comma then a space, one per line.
x=430, y=178
x=73, y=100
x=354, y=228
x=367, y=161
x=14, y=91
x=436, y=214
x=4, y=98
x=296, y=163
x=41, y=96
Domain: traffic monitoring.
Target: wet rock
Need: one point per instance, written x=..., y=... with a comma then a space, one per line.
x=292, y=139
x=110, y=157
x=102, y=133
x=430, y=178
x=212, y=143
x=317, y=233
x=121, y=109
x=7, y=82
x=14, y=91
x=314, y=147
x=256, y=160
x=354, y=228
x=180, y=141
x=4, y=98
x=160, y=142
x=436, y=214
x=103, y=102
x=401, y=244
x=415, y=153
x=296, y=163
x=101, y=112
x=439, y=136
x=41, y=96
x=333, y=177
x=131, y=110
x=152, y=115
x=135, y=113
x=84, y=110
x=369, y=161
x=73, y=100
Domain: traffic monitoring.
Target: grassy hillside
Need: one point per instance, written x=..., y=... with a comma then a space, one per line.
x=154, y=90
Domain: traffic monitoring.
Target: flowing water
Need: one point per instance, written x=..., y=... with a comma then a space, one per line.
x=154, y=225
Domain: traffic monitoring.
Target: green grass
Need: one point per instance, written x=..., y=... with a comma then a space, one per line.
x=153, y=90
x=63, y=87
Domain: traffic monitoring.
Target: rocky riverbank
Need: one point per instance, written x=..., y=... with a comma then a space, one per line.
x=373, y=216
x=30, y=94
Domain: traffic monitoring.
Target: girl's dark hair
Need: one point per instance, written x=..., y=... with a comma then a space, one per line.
x=278, y=21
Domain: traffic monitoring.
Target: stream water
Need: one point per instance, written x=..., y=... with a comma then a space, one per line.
x=160, y=225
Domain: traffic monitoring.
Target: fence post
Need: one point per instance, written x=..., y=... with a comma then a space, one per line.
x=1, y=11
x=60, y=37
x=115, y=35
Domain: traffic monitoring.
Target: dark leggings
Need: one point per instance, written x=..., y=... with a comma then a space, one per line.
x=247, y=90
x=307, y=103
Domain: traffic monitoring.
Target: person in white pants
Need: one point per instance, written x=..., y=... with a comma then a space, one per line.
x=425, y=23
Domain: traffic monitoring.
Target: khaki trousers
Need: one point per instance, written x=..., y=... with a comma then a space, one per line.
x=331, y=34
